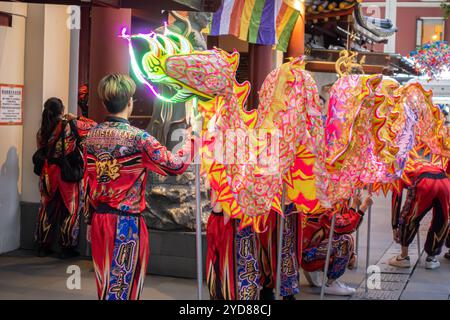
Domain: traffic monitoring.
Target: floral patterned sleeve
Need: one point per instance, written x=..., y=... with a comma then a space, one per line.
x=160, y=160
x=83, y=126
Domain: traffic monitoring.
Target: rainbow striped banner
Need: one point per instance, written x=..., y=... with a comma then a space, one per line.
x=268, y=22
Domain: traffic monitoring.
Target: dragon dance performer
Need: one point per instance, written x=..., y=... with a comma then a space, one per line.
x=291, y=254
x=316, y=235
x=430, y=188
x=61, y=201
x=118, y=156
x=232, y=267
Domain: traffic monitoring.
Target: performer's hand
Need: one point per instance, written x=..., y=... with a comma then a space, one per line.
x=88, y=233
x=367, y=203
x=70, y=117
x=196, y=121
x=356, y=203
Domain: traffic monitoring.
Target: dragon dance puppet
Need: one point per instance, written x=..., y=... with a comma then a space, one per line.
x=249, y=155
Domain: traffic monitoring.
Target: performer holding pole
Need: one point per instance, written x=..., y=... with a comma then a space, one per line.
x=118, y=157
x=316, y=245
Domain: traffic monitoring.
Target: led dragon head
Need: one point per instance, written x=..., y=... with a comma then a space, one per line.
x=169, y=59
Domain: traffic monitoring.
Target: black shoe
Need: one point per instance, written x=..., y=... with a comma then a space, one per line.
x=67, y=253
x=44, y=252
x=289, y=297
x=266, y=294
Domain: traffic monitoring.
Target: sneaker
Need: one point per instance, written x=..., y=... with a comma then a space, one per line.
x=432, y=263
x=447, y=255
x=339, y=289
x=314, y=278
x=400, y=262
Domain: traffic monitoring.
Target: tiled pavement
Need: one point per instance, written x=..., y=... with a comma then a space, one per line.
x=24, y=276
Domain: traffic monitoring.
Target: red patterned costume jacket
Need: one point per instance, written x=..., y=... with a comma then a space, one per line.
x=118, y=156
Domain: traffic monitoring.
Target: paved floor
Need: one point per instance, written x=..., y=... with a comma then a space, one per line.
x=24, y=276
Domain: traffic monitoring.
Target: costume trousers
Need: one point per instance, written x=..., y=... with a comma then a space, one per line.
x=232, y=267
x=341, y=253
x=120, y=251
x=291, y=247
x=59, y=211
x=429, y=193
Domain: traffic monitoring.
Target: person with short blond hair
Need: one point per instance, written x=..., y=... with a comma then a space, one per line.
x=118, y=157
x=115, y=90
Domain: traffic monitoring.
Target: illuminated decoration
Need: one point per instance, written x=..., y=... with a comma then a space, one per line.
x=169, y=59
x=432, y=59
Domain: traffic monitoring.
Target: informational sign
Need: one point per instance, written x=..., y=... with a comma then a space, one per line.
x=11, y=104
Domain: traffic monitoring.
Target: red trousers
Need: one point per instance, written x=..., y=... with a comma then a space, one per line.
x=232, y=269
x=430, y=192
x=59, y=211
x=314, y=258
x=120, y=251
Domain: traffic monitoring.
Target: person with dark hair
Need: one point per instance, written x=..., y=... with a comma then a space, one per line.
x=61, y=200
x=118, y=157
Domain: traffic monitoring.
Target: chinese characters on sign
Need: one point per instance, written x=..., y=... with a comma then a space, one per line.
x=11, y=99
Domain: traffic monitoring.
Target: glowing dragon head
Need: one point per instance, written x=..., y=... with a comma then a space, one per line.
x=169, y=59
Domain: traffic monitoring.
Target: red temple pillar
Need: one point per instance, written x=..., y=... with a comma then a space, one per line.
x=108, y=52
x=262, y=60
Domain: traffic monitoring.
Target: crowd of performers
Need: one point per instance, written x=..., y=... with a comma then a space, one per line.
x=241, y=263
